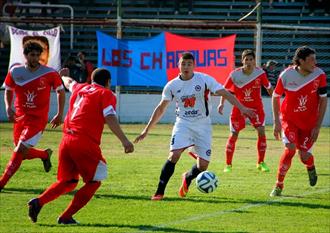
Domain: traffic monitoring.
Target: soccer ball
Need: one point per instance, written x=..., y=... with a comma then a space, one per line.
x=206, y=182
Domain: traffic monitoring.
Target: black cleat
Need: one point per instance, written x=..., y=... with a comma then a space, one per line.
x=312, y=176
x=66, y=221
x=34, y=209
x=47, y=163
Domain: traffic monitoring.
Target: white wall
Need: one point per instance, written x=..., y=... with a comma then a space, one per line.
x=137, y=108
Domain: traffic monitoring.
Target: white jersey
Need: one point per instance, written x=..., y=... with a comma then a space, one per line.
x=192, y=96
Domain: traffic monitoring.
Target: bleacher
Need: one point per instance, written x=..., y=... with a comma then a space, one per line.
x=276, y=44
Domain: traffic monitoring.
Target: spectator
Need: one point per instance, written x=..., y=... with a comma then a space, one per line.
x=272, y=73
x=86, y=67
x=177, y=6
x=74, y=70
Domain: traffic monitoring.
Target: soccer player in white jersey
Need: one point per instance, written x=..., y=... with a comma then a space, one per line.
x=245, y=83
x=191, y=91
x=301, y=113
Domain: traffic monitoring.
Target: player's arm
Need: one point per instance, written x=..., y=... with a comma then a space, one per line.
x=276, y=116
x=322, y=109
x=114, y=126
x=67, y=81
x=270, y=90
x=155, y=117
x=221, y=105
x=58, y=118
x=234, y=101
x=8, y=98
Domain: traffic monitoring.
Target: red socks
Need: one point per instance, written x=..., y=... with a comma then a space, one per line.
x=261, y=146
x=230, y=149
x=12, y=166
x=81, y=198
x=309, y=163
x=55, y=190
x=36, y=153
x=285, y=164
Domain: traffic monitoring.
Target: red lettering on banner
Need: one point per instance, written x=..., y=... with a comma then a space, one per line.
x=142, y=65
x=118, y=58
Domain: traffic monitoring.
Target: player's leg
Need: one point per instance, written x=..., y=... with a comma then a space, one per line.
x=202, y=134
x=166, y=173
x=236, y=124
x=93, y=169
x=81, y=198
x=305, y=152
x=289, y=138
x=67, y=180
x=261, y=147
x=180, y=140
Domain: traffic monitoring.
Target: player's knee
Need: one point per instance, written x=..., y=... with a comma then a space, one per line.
x=174, y=156
x=304, y=155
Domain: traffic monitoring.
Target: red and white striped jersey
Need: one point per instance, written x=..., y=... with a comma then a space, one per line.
x=301, y=101
x=32, y=90
x=247, y=88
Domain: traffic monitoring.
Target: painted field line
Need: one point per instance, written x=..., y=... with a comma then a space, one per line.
x=223, y=212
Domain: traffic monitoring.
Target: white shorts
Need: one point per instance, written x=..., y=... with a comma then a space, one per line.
x=195, y=135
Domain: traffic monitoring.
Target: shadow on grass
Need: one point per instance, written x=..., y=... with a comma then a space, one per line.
x=142, y=228
x=212, y=200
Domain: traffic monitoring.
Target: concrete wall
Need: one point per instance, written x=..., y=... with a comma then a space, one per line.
x=137, y=108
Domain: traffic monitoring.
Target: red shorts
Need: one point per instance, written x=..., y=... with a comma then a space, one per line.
x=237, y=120
x=300, y=137
x=28, y=131
x=78, y=156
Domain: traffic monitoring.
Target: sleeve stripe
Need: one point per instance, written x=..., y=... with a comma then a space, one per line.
x=71, y=85
x=7, y=87
x=59, y=88
x=109, y=111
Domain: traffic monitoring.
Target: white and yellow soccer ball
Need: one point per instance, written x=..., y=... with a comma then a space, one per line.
x=207, y=182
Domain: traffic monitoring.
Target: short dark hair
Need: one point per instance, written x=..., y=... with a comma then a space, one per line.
x=248, y=52
x=30, y=46
x=187, y=56
x=101, y=76
x=302, y=53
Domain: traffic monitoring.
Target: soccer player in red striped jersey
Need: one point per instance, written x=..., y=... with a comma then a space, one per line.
x=301, y=113
x=246, y=82
x=91, y=105
x=31, y=84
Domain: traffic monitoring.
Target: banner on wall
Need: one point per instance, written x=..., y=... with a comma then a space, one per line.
x=49, y=39
x=153, y=61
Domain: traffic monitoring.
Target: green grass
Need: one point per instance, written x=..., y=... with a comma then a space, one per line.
x=122, y=204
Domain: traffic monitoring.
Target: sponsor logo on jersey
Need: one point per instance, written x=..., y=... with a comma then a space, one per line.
x=302, y=104
x=198, y=88
x=247, y=93
x=188, y=101
x=30, y=99
x=208, y=152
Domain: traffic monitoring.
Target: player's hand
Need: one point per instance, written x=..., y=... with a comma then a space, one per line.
x=277, y=129
x=128, y=147
x=56, y=121
x=250, y=112
x=220, y=108
x=64, y=72
x=315, y=134
x=10, y=114
x=141, y=136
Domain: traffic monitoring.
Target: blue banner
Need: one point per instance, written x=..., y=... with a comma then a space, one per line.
x=133, y=62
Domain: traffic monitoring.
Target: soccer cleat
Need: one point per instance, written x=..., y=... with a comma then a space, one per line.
x=47, y=163
x=276, y=192
x=34, y=209
x=67, y=221
x=157, y=197
x=184, y=187
x=312, y=176
x=263, y=167
x=227, y=169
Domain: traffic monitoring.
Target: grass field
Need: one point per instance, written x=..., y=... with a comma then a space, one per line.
x=122, y=204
